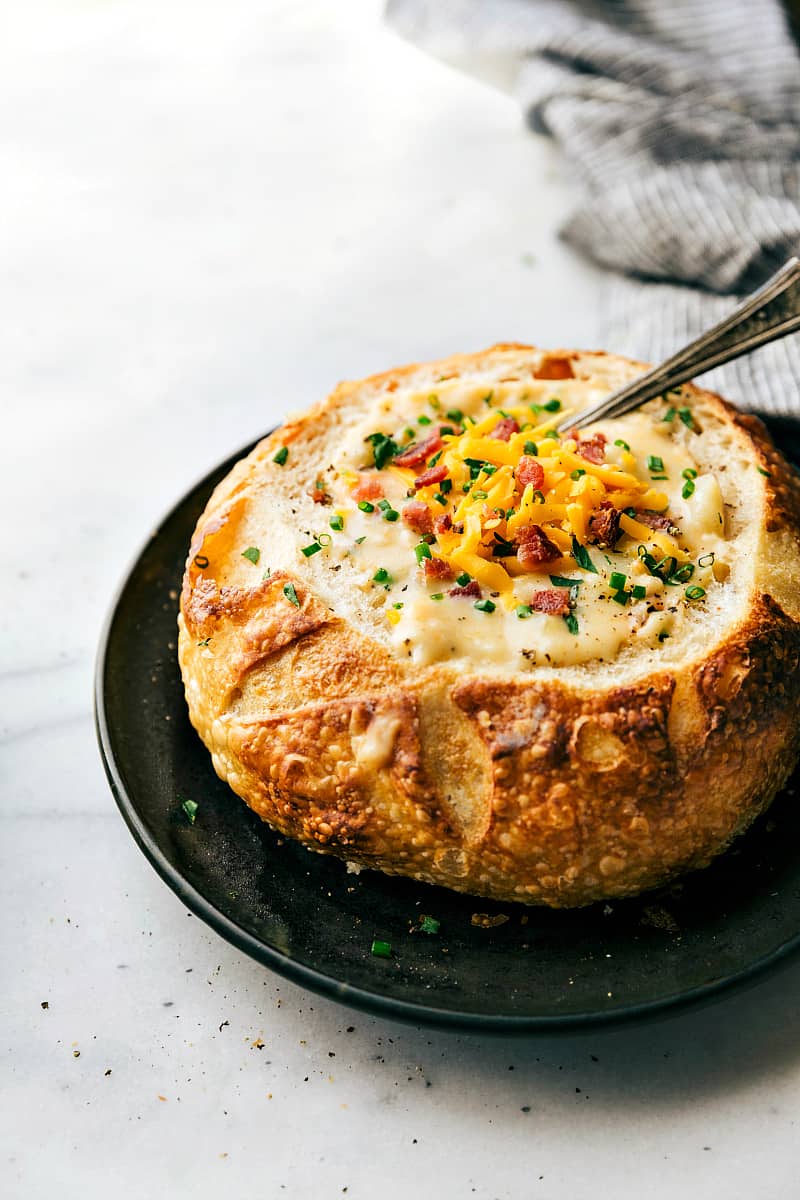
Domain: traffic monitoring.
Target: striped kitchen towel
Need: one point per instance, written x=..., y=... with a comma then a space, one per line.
x=682, y=120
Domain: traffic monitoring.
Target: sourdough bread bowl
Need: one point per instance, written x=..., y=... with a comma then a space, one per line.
x=423, y=632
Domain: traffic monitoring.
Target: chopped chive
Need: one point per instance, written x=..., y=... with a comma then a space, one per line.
x=399, y=604
x=360, y=540
x=571, y=622
x=621, y=598
x=581, y=556
x=337, y=521
x=365, y=506
x=523, y=611
x=531, y=448
x=761, y=471
x=683, y=574
x=695, y=593
x=381, y=949
x=290, y=594
x=423, y=420
x=381, y=576
x=618, y=581
x=465, y=487
x=576, y=474
x=253, y=554
x=463, y=579
x=437, y=595
x=487, y=399
x=428, y=924
x=204, y=642
x=669, y=415
x=510, y=512
x=421, y=551
x=654, y=477
x=552, y=433
x=440, y=499
x=383, y=448
x=391, y=515
x=325, y=539
x=446, y=486
x=638, y=591
x=433, y=461
x=689, y=473
x=655, y=463
x=383, y=505
x=280, y=456
x=685, y=415
x=314, y=548
x=562, y=581
x=623, y=444
x=455, y=414
x=487, y=606
x=552, y=405
x=190, y=808
x=434, y=401
x=479, y=495
x=662, y=637
x=706, y=560
x=687, y=489
x=538, y=496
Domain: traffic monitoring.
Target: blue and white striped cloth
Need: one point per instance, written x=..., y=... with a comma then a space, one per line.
x=682, y=120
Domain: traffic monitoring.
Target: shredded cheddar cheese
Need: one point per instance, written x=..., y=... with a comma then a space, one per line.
x=481, y=528
x=489, y=505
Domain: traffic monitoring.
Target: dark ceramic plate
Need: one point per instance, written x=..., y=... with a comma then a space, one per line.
x=302, y=915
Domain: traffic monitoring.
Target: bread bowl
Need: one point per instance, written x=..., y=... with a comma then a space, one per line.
x=421, y=631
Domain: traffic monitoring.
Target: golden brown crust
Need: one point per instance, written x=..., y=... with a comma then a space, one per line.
x=539, y=791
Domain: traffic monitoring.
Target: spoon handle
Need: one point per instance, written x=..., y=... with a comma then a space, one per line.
x=770, y=313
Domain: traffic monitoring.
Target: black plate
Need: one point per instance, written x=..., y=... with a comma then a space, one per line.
x=304, y=916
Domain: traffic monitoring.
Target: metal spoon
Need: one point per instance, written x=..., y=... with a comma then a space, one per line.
x=770, y=313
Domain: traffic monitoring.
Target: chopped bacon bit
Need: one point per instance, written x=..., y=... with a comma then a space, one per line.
x=417, y=516
x=529, y=471
x=534, y=547
x=437, y=568
x=416, y=455
x=654, y=520
x=593, y=449
x=369, y=487
x=473, y=588
x=504, y=429
x=554, y=368
x=442, y=523
x=551, y=600
x=428, y=478
x=603, y=527
x=318, y=493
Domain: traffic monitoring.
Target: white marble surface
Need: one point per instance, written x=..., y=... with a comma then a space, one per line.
x=209, y=213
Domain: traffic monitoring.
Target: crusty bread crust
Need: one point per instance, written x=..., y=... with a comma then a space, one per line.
x=557, y=788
